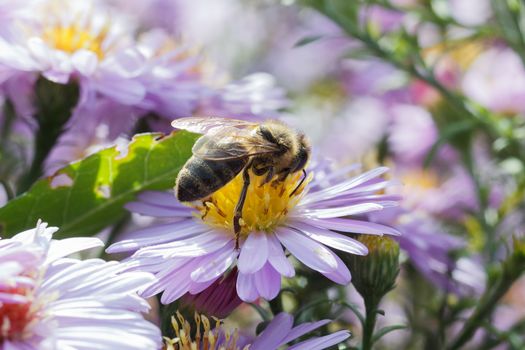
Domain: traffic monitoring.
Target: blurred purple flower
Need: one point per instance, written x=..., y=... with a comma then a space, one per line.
x=51, y=302
x=496, y=80
x=412, y=133
x=92, y=127
x=188, y=253
x=367, y=119
x=431, y=251
x=381, y=19
x=470, y=12
x=255, y=96
x=374, y=78
x=435, y=193
x=172, y=75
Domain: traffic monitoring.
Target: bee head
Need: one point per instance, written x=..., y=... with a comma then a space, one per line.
x=303, y=154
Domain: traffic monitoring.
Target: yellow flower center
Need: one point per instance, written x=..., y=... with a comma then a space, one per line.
x=72, y=38
x=266, y=206
x=420, y=179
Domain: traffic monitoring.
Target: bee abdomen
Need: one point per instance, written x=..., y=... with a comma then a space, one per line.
x=199, y=178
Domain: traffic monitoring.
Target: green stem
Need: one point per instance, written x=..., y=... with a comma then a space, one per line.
x=54, y=106
x=368, y=327
x=8, y=190
x=510, y=271
x=45, y=139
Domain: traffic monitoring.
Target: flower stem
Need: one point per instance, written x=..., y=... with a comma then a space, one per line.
x=54, y=106
x=371, y=305
x=498, y=285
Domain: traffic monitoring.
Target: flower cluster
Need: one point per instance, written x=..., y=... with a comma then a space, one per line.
x=48, y=301
x=361, y=161
x=197, y=247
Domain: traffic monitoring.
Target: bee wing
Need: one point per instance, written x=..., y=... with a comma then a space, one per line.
x=231, y=143
x=206, y=125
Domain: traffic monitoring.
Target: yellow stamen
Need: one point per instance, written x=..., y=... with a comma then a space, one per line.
x=423, y=179
x=72, y=38
x=205, y=338
x=266, y=206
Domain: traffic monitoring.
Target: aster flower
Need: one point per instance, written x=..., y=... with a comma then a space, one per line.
x=279, y=332
x=196, y=247
x=499, y=87
x=368, y=118
x=254, y=96
x=94, y=126
x=85, y=40
x=51, y=302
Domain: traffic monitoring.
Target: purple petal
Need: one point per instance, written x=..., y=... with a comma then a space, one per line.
x=85, y=61
x=197, y=287
x=353, y=226
x=277, y=258
x=254, y=253
x=194, y=246
x=157, y=210
x=274, y=333
x=175, y=283
x=302, y=329
x=67, y=246
x=10, y=298
x=125, y=91
x=158, y=234
x=215, y=264
x=331, y=239
x=268, y=282
x=338, y=212
x=246, y=288
x=166, y=198
x=309, y=252
x=343, y=186
x=340, y=275
x=322, y=342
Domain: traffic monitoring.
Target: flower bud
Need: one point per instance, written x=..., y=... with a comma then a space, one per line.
x=218, y=300
x=375, y=274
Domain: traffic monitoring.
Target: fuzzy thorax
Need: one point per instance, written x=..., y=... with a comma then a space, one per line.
x=266, y=206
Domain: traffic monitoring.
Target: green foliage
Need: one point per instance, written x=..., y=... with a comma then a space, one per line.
x=54, y=105
x=89, y=195
x=308, y=40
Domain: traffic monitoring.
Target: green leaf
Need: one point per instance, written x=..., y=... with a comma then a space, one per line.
x=89, y=195
x=307, y=40
x=385, y=330
x=446, y=135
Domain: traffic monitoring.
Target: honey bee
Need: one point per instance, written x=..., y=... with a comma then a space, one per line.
x=228, y=146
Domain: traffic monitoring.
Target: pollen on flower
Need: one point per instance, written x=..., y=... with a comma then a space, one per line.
x=72, y=38
x=421, y=180
x=202, y=337
x=266, y=206
x=14, y=317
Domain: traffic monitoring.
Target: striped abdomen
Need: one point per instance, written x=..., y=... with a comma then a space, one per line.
x=199, y=178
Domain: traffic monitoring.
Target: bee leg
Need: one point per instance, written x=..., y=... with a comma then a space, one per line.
x=206, y=209
x=269, y=176
x=238, y=207
x=300, y=183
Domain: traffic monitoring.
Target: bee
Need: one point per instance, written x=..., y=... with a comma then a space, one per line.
x=229, y=147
